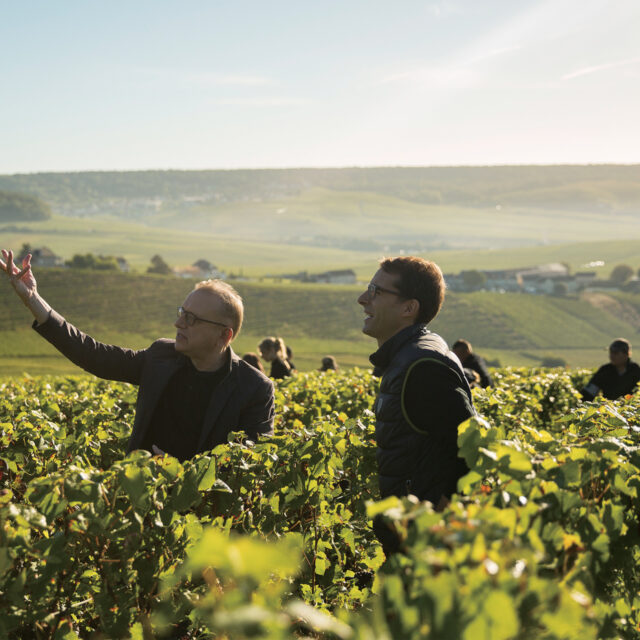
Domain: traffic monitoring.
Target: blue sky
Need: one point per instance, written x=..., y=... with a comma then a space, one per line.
x=90, y=85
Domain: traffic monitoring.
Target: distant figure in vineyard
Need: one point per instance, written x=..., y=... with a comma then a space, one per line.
x=254, y=360
x=469, y=360
x=617, y=378
x=292, y=366
x=274, y=350
x=193, y=390
x=329, y=363
x=424, y=394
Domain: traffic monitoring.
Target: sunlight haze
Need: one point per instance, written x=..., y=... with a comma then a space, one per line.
x=184, y=85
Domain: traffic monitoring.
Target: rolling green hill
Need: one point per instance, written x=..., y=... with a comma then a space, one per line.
x=132, y=310
x=595, y=187
x=19, y=206
x=137, y=243
x=370, y=209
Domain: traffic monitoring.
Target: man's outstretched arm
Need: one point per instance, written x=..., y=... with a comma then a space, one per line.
x=25, y=286
x=106, y=361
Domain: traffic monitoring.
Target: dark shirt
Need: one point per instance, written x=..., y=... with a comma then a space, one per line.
x=434, y=400
x=178, y=418
x=477, y=364
x=279, y=369
x=612, y=383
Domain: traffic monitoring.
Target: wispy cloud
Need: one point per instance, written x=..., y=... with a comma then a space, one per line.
x=444, y=8
x=441, y=77
x=225, y=80
x=492, y=53
x=459, y=74
x=585, y=71
x=260, y=102
x=205, y=78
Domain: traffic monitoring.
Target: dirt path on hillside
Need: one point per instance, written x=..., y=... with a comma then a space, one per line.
x=622, y=310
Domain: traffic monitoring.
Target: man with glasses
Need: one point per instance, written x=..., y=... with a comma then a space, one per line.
x=193, y=390
x=424, y=394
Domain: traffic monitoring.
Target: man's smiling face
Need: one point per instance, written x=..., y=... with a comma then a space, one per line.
x=386, y=309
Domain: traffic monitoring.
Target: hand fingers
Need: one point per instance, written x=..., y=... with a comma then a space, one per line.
x=11, y=268
x=8, y=265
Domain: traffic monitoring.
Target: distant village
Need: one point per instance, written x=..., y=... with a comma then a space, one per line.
x=200, y=269
x=550, y=279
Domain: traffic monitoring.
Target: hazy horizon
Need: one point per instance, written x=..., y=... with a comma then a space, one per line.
x=318, y=167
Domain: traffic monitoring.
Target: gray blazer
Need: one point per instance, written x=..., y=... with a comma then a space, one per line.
x=242, y=401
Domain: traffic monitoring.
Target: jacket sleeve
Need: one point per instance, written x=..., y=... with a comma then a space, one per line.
x=594, y=385
x=102, y=360
x=485, y=376
x=257, y=415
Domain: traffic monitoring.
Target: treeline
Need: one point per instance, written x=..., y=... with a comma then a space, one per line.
x=22, y=206
x=596, y=187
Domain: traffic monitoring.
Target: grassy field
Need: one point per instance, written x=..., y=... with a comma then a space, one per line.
x=133, y=310
x=137, y=243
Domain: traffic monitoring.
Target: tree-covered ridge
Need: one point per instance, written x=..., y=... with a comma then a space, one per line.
x=22, y=207
x=590, y=187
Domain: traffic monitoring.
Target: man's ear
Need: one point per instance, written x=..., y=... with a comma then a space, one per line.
x=229, y=336
x=411, y=308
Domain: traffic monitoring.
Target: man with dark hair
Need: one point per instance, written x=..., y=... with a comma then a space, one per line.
x=469, y=360
x=424, y=394
x=193, y=390
x=617, y=378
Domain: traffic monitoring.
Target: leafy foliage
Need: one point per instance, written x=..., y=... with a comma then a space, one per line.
x=22, y=207
x=273, y=539
x=91, y=261
x=158, y=265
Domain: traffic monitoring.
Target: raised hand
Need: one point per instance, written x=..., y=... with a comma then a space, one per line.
x=22, y=280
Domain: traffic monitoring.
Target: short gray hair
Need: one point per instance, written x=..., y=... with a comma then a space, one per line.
x=232, y=305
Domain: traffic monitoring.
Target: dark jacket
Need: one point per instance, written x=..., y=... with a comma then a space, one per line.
x=280, y=369
x=410, y=459
x=477, y=364
x=613, y=384
x=243, y=400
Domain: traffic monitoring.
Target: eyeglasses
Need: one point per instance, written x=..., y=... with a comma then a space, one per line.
x=374, y=289
x=191, y=318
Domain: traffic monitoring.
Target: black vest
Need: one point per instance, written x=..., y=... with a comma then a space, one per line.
x=409, y=460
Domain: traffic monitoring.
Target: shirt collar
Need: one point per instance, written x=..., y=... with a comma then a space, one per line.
x=381, y=358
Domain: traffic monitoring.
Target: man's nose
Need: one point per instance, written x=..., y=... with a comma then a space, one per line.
x=363, y=298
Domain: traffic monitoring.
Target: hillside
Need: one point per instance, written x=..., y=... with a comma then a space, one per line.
x=361, y=209
x=23, y=207
x=316, y=319
x=593, y=187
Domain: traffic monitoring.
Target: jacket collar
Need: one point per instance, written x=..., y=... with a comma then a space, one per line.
x=383, y=356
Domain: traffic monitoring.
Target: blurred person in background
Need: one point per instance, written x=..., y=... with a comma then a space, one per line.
x=290, y=359
x=328, y=363
x=619, y=377
x=469, y=360
x=254, y=360
x=274, y=350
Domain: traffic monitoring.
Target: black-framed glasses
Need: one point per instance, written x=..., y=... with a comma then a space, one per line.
x=191, y=318
x=374, y=289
